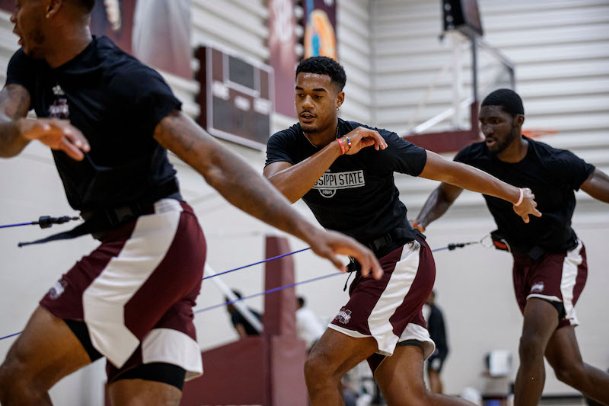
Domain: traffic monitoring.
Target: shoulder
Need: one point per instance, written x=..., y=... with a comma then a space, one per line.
x=561, y=164
x=289, y=134
x=123, y=69
x=22, y=68
x=552, y=156
x=20, y=57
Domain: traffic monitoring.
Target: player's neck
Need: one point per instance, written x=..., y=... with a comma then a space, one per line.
x=515, y=152
x=68, y=45
x=321, y=139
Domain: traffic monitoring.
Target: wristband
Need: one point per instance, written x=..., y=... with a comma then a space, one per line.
x=348, y=143
x=520, y=198
x=344, y=144
x=340, y=144
x=417, y=226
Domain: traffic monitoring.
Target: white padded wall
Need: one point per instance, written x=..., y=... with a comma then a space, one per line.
x=353, y=20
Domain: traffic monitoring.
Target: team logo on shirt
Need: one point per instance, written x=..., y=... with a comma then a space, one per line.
x=343, y=316
x=59, y=109
x=537, y=287
x=330, y=182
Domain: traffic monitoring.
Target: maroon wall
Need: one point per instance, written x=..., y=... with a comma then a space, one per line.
x=265, y=370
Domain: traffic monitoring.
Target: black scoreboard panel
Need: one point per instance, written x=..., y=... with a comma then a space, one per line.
x=235, y=98
x=463, y=15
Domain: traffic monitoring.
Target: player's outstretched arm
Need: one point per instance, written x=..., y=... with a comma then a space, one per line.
x=246, y=189
x=438, y=202
x=597, y=185
x=468, y=177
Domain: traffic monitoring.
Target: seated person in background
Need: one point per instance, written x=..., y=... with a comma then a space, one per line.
x=437, y=331
x=308, y=326
x=243, y=327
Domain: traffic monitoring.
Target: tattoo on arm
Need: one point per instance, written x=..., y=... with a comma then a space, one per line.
x=14, y=105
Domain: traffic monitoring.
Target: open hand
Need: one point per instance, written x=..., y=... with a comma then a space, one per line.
x=362, y=138
x=56, y=134
x=528, y=206
x=328, y=244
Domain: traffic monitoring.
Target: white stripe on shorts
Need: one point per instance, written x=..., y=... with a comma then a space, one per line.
x=570, y=266
x=397, y=288
x=173, y=347
x=104, y=300
x=573, y=260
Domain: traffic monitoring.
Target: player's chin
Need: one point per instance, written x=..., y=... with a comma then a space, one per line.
x=309, y=128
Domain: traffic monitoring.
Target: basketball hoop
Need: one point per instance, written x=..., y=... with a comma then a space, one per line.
x=538, y=132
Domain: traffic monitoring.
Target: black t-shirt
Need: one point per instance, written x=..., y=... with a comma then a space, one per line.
x=357, y=194
x=553, y=175
x=116, y=102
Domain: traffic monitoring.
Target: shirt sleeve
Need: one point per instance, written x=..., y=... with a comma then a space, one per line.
x=462, y=156
x=277, y=149
x=570, y=169
x=403, y=156
x=20, y=71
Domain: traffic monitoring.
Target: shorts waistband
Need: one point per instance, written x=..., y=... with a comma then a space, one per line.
x=387, y=242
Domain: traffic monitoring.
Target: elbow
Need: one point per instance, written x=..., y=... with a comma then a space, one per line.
x=10, y=152
x=283, y=188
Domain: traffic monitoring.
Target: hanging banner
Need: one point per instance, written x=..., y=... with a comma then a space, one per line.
x=114, y=19
x=157, y=32
x=320, y=28
x=7, y=5
x=283, y=58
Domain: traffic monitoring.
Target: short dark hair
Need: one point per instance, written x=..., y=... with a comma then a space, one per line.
x=322, y=65
x=301, y=301
x=508, y=99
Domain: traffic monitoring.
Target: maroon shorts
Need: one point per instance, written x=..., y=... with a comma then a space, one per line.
x=390, y=309
x=135, y=292
x=556, y=277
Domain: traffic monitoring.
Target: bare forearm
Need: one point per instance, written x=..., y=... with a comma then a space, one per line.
x=468, y=177
x=307, y=172
x=456, y=176
x=436, y=205
x=11, y=141
x=476, y=180
x=232, y=177
x=243, y=187
x=14, y=105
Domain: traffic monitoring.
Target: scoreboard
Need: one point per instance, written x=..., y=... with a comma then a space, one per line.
x=235, y=97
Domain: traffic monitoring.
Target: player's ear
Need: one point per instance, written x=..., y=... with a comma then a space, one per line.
x=519, y=120
x=53, y=7
x=340, y=98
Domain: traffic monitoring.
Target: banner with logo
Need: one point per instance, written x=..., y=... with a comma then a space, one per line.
x=320, y=28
